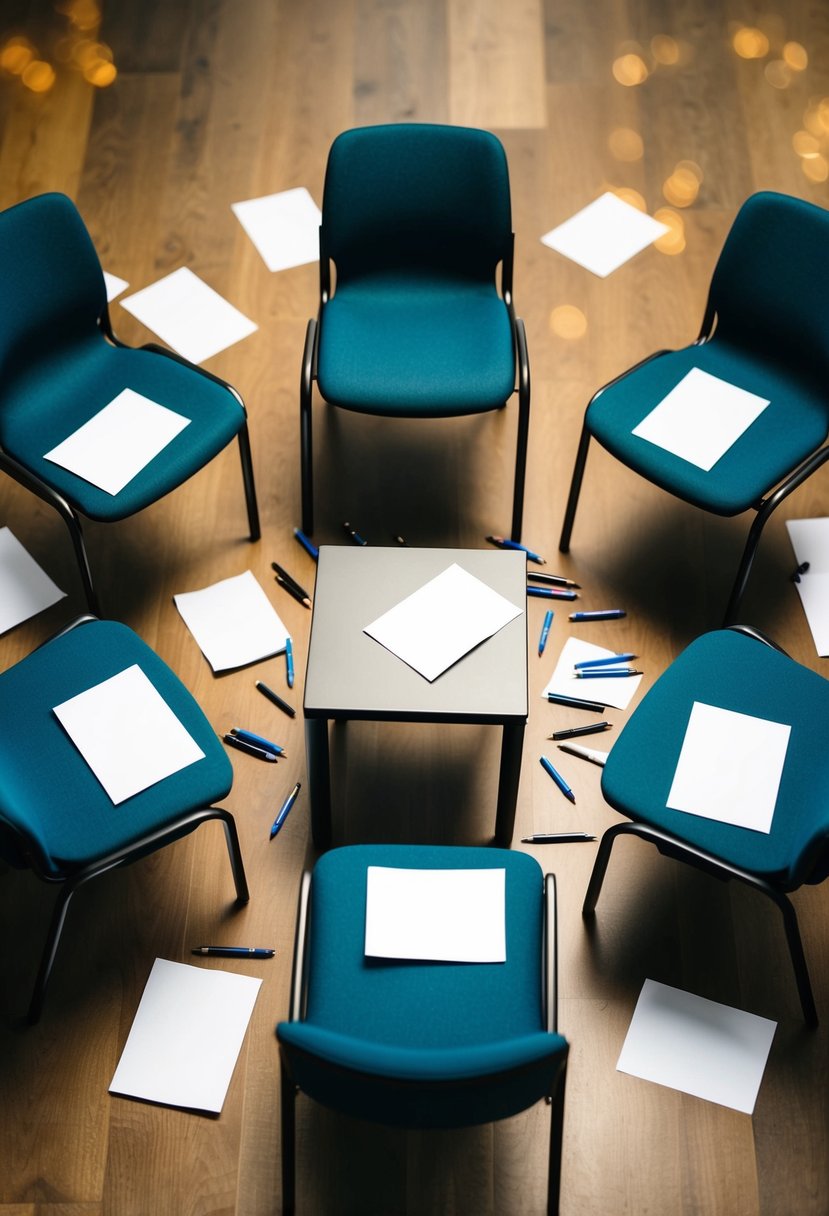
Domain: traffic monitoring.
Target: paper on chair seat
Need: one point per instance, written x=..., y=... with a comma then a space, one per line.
x=439, y=915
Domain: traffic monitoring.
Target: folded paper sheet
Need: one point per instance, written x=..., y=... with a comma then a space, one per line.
x=233, y=622
x=127, y=733
x=442, y=621
x=697, y=1046
x=186, y=1036
x=441, y=915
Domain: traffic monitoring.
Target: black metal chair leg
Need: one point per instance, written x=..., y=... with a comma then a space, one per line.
x=287, y=1095
x=305, y=436
x=556, y=1136
x=523, y=430
x=50, y=949
x=74, y=525
x=575, y=489
x=801, y=971
x=250, y=485
x=600, y=866
x=235, y=855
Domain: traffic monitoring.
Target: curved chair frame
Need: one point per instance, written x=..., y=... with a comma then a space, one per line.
x=289, y=1089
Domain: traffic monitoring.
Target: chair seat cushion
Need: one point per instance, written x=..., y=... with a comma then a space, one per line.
x=731, y=671
x=792, y=426
x=421, y=1004
x=46, y=787
x=64, y=387
x=416, y=347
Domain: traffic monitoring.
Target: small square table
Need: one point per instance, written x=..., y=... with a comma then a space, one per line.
x=350, y=675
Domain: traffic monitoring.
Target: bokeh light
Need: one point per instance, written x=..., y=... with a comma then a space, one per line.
x=568, y=322
x=778, y=73
x=665, y=49
x=682, y=187
x=671, y=242
x=630, y=69
x=628, y=195
x=750, y=42
x=795, y=56
x=816, y=168
x=39, y=76
x=626, y=144
x=16, y=55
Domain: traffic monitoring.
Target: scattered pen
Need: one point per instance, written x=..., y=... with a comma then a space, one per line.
x=289, y=662
x=598, y=614
x=559, y=780
x=602, y=673
x=247, y=736
x=276, y=699
x=555, y=837
x=545, y=630
x=355, y=536
x=261, y=753
x=552, y=593
x=573, y=731
x=558, y=579
x=503, y=543
x=291, y=585
x=235, y=951
x=558, y=698
x=284, y=809
x=307, y=544
x=611, y=661
x=586, y=753
x=801, y=569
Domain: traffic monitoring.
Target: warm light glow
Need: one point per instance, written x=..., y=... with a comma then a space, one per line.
x=628, y=195
x=805, y=144
x=673, y=241
x=39, y=76
x=816, y=168
x=101, y=73
x=84, y=14
x=568, y=322
x=750, y=43
x=16, y=55
x=778, y=74
x=795, y=56
x=682, y=187
x=626, y=144
x=665, y=49
x=630, y=69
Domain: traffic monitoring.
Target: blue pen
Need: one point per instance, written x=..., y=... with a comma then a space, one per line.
x=599, y=614
x=559, y=780
x=289, y=662
x=552, y=593
x=603, y=673
x=284, y=809
x=307, y=544
x=355, y=536
x=504, y=543
x=545, y=630
x=247, y=736
x=611, y=661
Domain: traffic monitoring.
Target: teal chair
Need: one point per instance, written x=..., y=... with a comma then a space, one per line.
x=764, y=330
x=416, y=222
x=55, y=817
x=421, y=1044
x=61, y=364
x=735, y=669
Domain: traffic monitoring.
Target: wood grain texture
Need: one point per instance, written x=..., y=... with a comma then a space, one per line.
x=217, y=101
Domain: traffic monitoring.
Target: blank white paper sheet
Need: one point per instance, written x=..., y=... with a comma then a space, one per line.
x=604, y=235
x=730, y=767
x=439, y=915
x=114, y=285
x=189, y=315
x=25, y=588
x=233, y=622
x=810, y=541
x=617, y=691
x=442, y=621
x=186, y=1036
x=284, y=227
x=701, y=418
x=697, y=1046
x=119, y=441
x=127, y=733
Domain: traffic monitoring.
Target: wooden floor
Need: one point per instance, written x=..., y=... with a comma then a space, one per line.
x=216, y=101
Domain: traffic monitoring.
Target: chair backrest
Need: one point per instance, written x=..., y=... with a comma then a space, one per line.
x=419, y=196
x=769, y=288
x=52, y=287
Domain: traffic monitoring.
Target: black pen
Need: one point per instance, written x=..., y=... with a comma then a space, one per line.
x=276, y=699
x=574, y=731
x=557, y=580
x=235, y=951
x=284, y=809
x=250, y=749
x=558, y=698
x=555, y=837
x=355, y=536
x=295, y=591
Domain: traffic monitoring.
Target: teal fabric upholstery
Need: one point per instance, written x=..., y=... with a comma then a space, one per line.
x=50, y=800
x=58, y=370
x=764, y=332
x=732, y=671
x=422, y=1044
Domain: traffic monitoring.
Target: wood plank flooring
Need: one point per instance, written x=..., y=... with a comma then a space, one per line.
x=216, y=101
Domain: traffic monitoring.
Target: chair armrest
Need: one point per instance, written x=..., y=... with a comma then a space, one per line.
x=550, y=960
